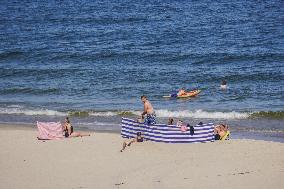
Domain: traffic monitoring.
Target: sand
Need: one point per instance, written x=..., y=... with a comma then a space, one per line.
x=96, y=162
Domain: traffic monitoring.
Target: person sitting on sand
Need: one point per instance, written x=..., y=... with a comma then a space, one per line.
x=220, y=131
x=179, y=123
x=138, y=138
x=170, y=121
x=148, y=111
x=223, y=84
x=68, y=130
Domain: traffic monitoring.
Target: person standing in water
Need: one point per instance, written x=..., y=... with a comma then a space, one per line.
x=148, y=111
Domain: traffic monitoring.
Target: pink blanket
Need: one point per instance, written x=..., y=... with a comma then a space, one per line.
x=49, y=130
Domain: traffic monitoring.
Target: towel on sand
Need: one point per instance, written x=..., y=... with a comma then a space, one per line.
x=49, y=130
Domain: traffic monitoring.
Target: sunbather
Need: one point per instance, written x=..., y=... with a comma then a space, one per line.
x=68, y=130
x=138, y=138
x=220, y=131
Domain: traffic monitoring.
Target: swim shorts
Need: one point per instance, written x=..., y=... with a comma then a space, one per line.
x=150, y=119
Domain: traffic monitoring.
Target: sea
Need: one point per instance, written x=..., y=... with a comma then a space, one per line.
x=92, y=60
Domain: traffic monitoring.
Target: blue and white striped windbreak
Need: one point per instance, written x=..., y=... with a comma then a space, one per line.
x=167, y=133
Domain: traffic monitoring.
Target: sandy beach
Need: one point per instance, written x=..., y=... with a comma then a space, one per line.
x=96, y=162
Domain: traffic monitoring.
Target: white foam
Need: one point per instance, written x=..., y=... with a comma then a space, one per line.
x=160, y=113
x=183, y=114
x=31, y=112
x=202, y=114
x=103, y=114
x=113, y=113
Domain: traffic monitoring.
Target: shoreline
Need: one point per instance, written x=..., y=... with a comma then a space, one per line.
x=96, y=162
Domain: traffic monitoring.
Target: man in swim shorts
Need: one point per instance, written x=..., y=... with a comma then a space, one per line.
x=148, y=111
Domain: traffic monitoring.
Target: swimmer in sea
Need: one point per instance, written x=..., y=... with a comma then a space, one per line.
x=181, y=92
x=223, y=84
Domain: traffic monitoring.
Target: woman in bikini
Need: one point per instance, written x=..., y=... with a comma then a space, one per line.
x=69, y=132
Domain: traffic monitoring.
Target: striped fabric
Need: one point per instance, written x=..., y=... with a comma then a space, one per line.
x=167, y=133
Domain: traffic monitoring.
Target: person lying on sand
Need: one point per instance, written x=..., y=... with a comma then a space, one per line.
x=220, y=131
x=68, y=130
x=138, y=138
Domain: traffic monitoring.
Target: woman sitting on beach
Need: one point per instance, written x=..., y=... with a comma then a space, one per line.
x=68, y=130
x=220, y=131
x=138, y=138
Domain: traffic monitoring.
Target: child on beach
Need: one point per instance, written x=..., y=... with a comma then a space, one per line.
x=138, y=138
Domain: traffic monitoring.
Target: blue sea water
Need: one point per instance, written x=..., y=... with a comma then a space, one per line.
x=96, y=58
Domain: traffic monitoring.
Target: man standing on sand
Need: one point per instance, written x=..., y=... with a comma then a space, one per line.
x=148, y=111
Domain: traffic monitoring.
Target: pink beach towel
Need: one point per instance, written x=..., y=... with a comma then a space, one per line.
x=49, y=130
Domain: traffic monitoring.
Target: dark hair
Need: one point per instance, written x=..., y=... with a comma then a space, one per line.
x=224, y=82
x=143, y=96
x=138, y=133
x=67, y=120
x=171, y=120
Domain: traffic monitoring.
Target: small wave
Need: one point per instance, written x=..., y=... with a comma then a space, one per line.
x=79, y=113
x=162, y=113
x=268, y=115
x=115, y=113
x=31, y=112
x=11, y=54
x=102, y=113
x=28, y=91
x=181, y=114
x=200, y=114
